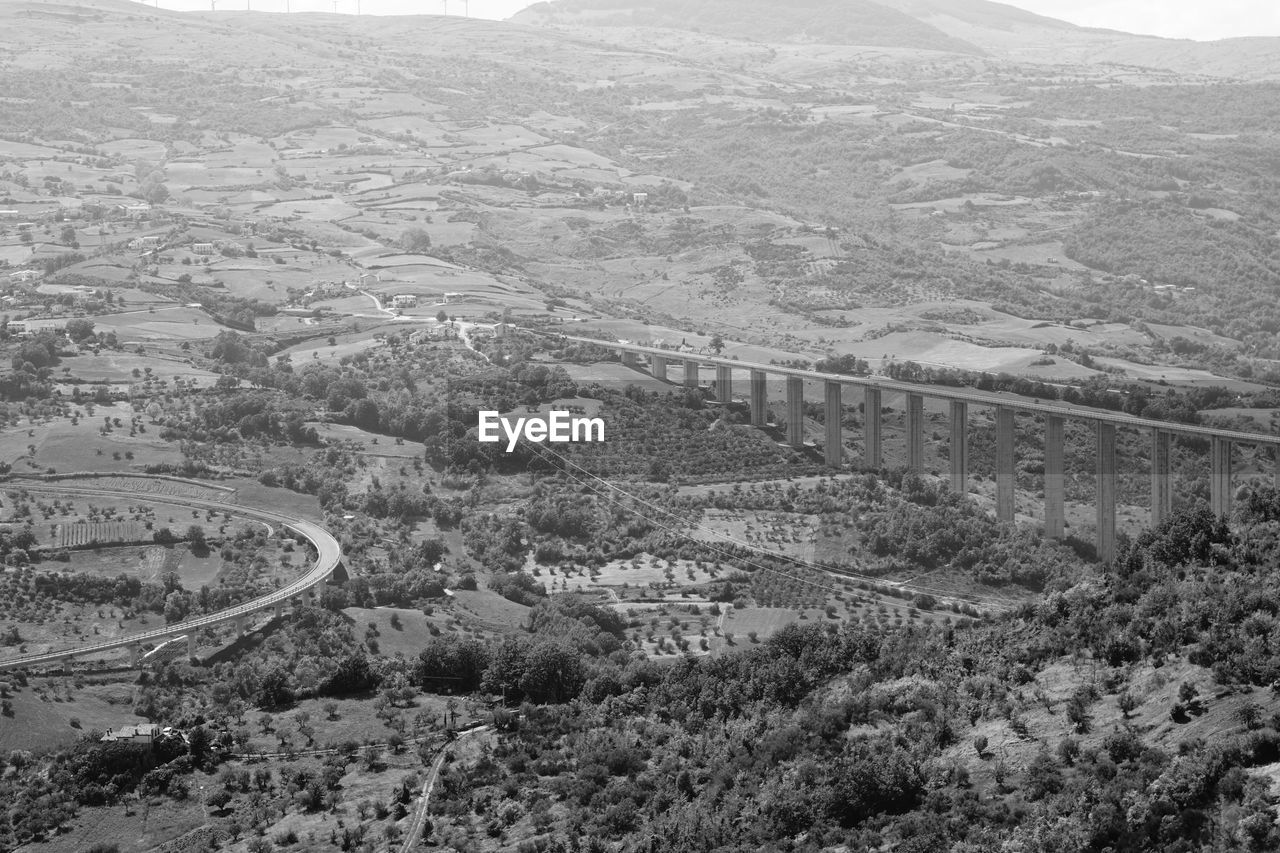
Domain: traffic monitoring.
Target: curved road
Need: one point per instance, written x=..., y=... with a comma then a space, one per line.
x=328, y=555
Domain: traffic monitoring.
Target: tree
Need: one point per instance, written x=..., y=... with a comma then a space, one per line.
x=415, y=240
x=176, y=607
x=553, y=672
x=717, y=344
x=79, y=329
x=153, y=189
x=217, y=798
x=195, y=538
x=274, y=686
x=198, y=744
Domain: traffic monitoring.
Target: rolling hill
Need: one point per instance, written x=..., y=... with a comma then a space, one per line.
x=860, y=22
x=972, y=27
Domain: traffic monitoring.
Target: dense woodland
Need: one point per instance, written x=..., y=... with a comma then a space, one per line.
x=821, y=735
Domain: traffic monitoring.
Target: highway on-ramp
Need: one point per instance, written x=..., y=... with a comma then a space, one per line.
x=328, y=555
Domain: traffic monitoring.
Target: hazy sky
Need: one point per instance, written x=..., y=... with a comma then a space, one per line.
x=1197, y=19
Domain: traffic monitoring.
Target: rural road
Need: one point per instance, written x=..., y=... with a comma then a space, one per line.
x=420, y=817
x=328, y=555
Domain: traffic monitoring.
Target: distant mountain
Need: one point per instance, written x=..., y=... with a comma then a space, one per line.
x=976, y=27
x=980, y=13
x=1009, y=32
x=796, y=21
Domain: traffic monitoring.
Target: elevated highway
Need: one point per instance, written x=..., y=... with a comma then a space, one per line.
x=1007, y=408
x=312, y=582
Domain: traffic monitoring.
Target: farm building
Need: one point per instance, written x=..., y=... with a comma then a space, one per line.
x=22, y=276
x=404, y=300
x=134, y=211
x=442, y=332
x=143, y=734
x=202, y=248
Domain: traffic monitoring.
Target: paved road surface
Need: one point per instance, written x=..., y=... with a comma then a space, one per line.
x=328, y=551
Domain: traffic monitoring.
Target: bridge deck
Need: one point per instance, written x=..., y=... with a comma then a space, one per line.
x=328, y=554
x=979, y=398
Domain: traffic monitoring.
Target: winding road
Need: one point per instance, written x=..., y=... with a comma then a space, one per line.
x=328, y=556
x=420, y=816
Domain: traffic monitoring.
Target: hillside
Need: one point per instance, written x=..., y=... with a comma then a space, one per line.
x=860, y=22
x=975, y=27
x=285, y=260
x=1012, y=33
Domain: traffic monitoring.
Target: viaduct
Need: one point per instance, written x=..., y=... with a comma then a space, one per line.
x=1006, y=409
x=312, y=583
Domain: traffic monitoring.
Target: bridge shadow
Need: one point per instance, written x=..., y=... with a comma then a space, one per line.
x=253, y=640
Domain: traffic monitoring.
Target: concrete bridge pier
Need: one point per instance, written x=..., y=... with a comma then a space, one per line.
x=135, y=655
x=240, y=626
x=871, y=408
x=835, y=435
x=1006, y=475
x=306, y=597
x=1220, y=476
x=1161, y=486
x=915, y=432
x=1106, y=500
x=795, y=411
x=1055, y=479
x=191, y=646
x=279, y=611
x=690, y=373
x=760, y=398
x=629, y=358
x=658, y=364
x=959, y=447
x=724, y=383
x=321, y=586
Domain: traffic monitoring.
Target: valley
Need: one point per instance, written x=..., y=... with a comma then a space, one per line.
x=260, y=272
